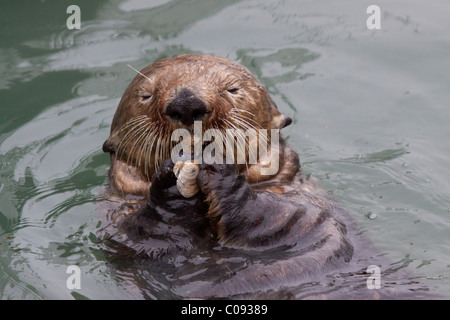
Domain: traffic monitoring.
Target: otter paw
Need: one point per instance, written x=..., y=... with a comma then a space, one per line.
x=165, y=193
x=218, y=176
x=164, y=177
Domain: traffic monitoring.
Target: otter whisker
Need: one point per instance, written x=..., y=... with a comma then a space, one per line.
x=145, y=144
x=241, y=116
x=236, y=109
x=239, y=113
x=160, y=152
x=157, y=150
x=168, y=144
x=261, y=136
x=239, y=142
x=138, y=139
x=145, y=77
x=247, y=127
x=150, y=148
x=138, y=142
x=144, y=149
x=165, y=146
x=132, y=132
x=140, y=73
x=164, y=149
x=161, y=149
x=237, y=62
x=132, y=122
x=241, y=123
x=244, y=124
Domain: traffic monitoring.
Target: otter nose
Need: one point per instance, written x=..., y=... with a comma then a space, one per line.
x=186, y=108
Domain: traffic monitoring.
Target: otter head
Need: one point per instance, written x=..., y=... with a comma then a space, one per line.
x=173, y=93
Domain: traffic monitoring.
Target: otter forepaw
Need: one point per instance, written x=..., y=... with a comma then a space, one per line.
x=217, y=176
x=164, y=176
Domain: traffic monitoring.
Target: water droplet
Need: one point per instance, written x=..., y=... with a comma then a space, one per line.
x=372, y=216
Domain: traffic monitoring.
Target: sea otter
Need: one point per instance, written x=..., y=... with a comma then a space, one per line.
x=237, y=206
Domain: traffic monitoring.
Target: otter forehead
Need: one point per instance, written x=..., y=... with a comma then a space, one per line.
x=197, y=69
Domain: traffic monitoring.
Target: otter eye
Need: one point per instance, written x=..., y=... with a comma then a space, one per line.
x=233, y=90
x=145, y=97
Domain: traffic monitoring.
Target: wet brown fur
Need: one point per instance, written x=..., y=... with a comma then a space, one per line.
x=237, y=206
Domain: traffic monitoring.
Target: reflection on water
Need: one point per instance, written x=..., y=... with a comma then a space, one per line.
x=379, y=156
x=370, y=123
x=212, y=271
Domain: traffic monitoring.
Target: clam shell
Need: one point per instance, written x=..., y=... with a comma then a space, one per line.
x=186, y=173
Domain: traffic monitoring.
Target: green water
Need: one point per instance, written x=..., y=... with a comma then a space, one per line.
x=371, y=111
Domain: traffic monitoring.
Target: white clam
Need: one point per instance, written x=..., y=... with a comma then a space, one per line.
x=186, y=173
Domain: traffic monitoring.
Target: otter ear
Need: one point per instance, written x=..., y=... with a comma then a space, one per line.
x=110, y=144
x=279, y=121
x=287, y=121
